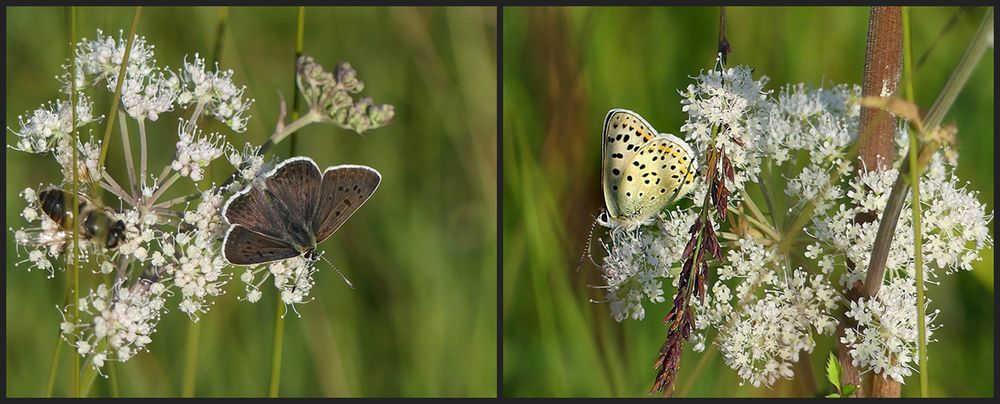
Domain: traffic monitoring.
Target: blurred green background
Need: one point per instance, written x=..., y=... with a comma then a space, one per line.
x=564, y=68
x=422, y=252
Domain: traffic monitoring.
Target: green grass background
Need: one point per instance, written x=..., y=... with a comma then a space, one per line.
x=564, y=68
x=422, y=251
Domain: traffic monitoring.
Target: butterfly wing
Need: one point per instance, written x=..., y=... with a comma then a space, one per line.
x=251, y=209
x=344, y=189
x=295, y=184
x=244, y=247
x=624, y=133
x=659, y=173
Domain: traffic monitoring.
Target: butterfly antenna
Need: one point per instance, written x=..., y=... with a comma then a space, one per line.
x=348, y=281
x=590, y=239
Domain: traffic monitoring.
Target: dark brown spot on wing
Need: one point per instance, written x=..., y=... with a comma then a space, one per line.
x=343, y=191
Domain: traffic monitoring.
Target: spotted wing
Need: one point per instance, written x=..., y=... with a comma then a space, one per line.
x=661, y=172
x=624, y=133
x=344, y=189
x=244, y=247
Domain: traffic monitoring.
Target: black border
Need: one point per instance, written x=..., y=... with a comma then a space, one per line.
x=499, y=5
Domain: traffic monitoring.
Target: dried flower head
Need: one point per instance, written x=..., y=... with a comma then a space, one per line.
x=329, y=95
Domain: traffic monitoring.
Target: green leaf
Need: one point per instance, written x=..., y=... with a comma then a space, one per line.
x=833, y=371
x=849, y=390
x=833, y=395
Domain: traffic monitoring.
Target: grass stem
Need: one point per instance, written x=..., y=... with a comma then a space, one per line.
x=191, y=359
x=76, y=204
x=915, y=186
x=55, y=366
x=118, y=88
x=279, y=332
x=279, y=318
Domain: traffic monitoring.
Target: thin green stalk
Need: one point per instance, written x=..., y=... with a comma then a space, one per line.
x=277, y=137
x=54, y=367
x=907, y=57
x=279, y=318
x=59, y=341
x=191, y=359
x=295, y=88
x=702, y=363
x=113, y=380
x=775, y=213
x=127, y=147
x=162, y=188
x=279, y=332
x=915, y=185
x=118, y=88
x=142, y=152
x=918, y=263
x=220, y=32
x=968, y=62
x=76, y=204
x=803, y=216
x=757, y=217
x=90, y=372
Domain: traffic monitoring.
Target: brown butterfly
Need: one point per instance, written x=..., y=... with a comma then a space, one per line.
x=297, y=208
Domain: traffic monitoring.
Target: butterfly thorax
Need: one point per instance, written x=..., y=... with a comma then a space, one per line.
x=300, y=237
x=297, y=234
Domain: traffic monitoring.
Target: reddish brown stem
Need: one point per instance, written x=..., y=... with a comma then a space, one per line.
x=883, y=64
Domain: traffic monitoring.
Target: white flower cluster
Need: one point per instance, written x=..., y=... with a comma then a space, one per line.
x=885, y=339
x=191, y=258
x=293, y=278
x=148, y=96
x=214, y=93
x=178, y=250
x=50, y=125
x=953, y=228
x=139, y=234
x=121, y=321
x=87, y=159
x=821, y=122
x=771, y=318
x=953, y=223
x=638, y=258
x=101, y=59
x=250, y=167
x=195, y=151
x=734, y=103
